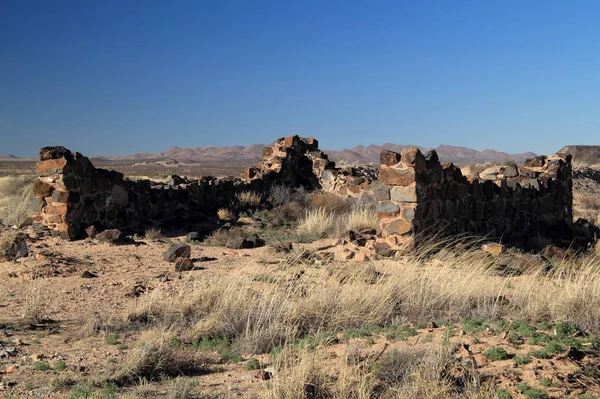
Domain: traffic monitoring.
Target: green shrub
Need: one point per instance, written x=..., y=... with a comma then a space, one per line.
x=41, y=365
x=253, y=364
x=496, y=354
x=60, y=365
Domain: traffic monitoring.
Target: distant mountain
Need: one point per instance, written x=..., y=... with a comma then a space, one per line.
x=10, y=157
x=360, y=154
x=583, y=155
x=446, y=153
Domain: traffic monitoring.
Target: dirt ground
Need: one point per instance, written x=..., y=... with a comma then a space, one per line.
x=68, y=286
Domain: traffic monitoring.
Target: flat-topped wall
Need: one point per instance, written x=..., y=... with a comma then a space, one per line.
x=419, y=198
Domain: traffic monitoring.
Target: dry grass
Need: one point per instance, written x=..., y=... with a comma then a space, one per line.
x=15, y=199
x=318, y=223
x=249, y=199
x=361, y=218
x=36, y=307
x=330, y=203
x=153, y=233
x=155, y=357
x=225, y=214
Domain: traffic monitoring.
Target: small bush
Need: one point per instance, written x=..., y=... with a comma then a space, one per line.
x=60, y=365
x=362, y=218
x=530, y=392
x=16, y=193
x=220, y=237
x=40, y=365
x=318, y=223
x=225, y=214
x=154, y=358
x=153, y=233
x=249, y=199
x=112, y=339
x=330, y=203
x=253, y=364
x=282, y=195
x=496, y=354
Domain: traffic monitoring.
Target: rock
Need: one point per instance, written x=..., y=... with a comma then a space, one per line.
x=389, y=158
x=360, y=257
x=556, y=253
x=111, y=237
x=54, y=152
x=493, y=248
x=91, y=232
x=179, y=250
x=510, y=171
x=13, y=245
x=183, y=264
x=87, y=274
x=384, y=250
x=345, y=254
x=253, y=241
x=192, y=236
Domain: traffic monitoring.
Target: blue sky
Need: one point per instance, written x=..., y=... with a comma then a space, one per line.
x=118, y=77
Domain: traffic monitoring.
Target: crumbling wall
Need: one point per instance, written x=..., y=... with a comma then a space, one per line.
x=419, y=198
x=71, y=194
x=297, y=161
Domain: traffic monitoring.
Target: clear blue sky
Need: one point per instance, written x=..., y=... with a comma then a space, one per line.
x=118, y=77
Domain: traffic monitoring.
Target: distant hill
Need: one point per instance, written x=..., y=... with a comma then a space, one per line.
x=253, y=153
x=360, y=154
x=583, y=155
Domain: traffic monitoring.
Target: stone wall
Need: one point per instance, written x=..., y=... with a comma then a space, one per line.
x=72, y=195
x=420, y=198
x=297, y=161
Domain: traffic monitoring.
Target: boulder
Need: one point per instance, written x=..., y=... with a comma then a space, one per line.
x=179, y=250
x=183, y=264
x=54, y=152
x=240, y=242
x=111, y=237
x=384, y=250
x=13, y=245
x=91, y=232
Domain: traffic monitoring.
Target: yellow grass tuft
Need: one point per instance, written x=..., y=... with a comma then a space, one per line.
x=15, y=200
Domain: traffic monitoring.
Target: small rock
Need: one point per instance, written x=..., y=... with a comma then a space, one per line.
x=493, y=248
x=554, y=252
x=179, y=250
x=192, y=236
x=384, y=250
x=183, y=264
x=111, y=237
x=345, y=254
x=13, y=245
x=253, y=241
x=360, y=257
x=91, y=232
x=10, y=369
x=87, y=274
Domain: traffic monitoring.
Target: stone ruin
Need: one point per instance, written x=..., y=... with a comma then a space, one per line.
x=71, y=194
x=420, y=198
x=417, y=196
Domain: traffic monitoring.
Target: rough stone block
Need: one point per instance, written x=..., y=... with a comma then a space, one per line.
x=387, y=209
x=404, y=194
x=396, y=177
x=51, y=167
x=399, y=227
x=54, y=152
x=41, y=189
x=389, y=158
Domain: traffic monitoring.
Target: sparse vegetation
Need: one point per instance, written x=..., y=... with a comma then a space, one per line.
x=15, y=200
x=249, y=199
x=153, y=233
x=225, y=214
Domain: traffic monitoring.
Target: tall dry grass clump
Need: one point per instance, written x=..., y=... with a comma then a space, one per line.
x=361, y=218
x=155, y=357
x=15, y=199
x=318, y=223
x=249, y=199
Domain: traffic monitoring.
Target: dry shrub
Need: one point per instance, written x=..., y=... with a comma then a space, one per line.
x=153, y=233
x=362, y=218
x=298, y=377
x=155, y=357
x=220, y=237
x=330, y=203
x=16, y=193
x=282, y=195
x=36, y=307
x=225, y=214
x=318, y=223
x=249, y=199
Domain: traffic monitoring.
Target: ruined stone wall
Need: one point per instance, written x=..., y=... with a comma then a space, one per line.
x=419, y=198
x=297, y=161
x=71, y=194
